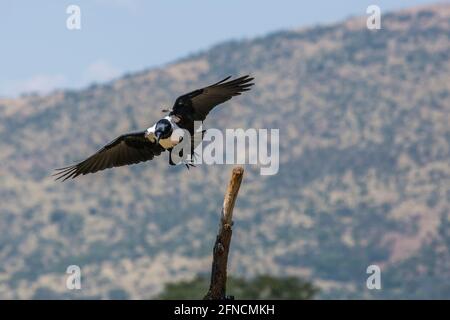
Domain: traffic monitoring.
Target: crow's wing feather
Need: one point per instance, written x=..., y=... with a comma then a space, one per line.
x=200, y=102
x=127, y=149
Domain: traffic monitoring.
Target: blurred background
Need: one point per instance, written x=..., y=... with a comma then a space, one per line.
x=364, y=149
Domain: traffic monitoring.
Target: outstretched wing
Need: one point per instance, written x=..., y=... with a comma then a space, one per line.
x=197, y=104
x=127, y=149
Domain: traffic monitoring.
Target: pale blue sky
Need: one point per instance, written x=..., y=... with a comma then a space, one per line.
x=38, y=52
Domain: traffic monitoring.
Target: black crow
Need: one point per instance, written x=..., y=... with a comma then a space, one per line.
x=144, y=145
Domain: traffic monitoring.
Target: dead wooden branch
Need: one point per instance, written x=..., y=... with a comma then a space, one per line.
x=217, y=288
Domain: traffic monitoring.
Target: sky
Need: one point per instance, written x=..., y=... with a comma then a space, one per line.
x=38, y=53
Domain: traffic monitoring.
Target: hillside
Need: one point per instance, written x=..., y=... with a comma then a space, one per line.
x=364, y=170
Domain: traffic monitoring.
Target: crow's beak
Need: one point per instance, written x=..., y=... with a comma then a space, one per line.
x=158, y=136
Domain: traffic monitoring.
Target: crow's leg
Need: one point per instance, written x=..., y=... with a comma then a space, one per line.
x=170, y=158
x=187, y=163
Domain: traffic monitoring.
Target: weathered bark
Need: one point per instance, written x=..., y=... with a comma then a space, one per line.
x=217, y=288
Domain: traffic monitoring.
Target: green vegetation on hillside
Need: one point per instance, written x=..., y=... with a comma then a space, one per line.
x=260, y=287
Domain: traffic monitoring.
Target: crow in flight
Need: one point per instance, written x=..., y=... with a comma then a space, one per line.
x=144, y=145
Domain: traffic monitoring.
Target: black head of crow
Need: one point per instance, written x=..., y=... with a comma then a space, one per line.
x=144, y=145
x=163, y=129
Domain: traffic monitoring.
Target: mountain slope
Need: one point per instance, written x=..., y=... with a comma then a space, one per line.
x=364, y=172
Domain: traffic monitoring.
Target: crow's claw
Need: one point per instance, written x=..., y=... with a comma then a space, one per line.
x=189, y=163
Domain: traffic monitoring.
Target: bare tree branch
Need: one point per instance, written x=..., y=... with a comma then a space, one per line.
x=217, y=288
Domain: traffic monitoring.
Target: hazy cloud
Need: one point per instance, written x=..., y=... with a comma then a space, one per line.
x=41, y=83
x=100, y=71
